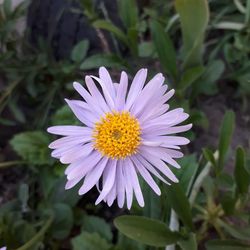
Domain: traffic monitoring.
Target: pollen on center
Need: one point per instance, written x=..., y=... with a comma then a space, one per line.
x=117, y=135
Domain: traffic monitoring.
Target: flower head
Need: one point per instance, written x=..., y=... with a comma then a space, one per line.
x=126, y=132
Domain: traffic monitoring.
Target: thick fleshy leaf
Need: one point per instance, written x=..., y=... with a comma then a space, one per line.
x=190, y=243
x=194, y=15
x=226, y=245
x=165, y=49
x=242, y=177
x=148, y=231
x=226, y=132
x=180, y=203
x=90, y=241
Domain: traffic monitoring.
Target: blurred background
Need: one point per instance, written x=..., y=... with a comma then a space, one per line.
x=203, y=49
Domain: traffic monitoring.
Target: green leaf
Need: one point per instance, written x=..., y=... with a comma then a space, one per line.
x=190, y=76
x=207, y=83
x=238, y=233
x=94, y=224
x=32, y=147
x=190, y=243
x=133, y=40
x=165, y=48
x=23, y=195
x=106, y=25
x=226, y=132
x=88, y=241
x=79, y=51
x=63, y=221
x=146, y=49
x=187, y=173
x=145, y=230
x=128, y=12
x=64, y=116
x=180, y=203
x=209, y=156
x=194, y=15
x=226, y=245
x=60, y=195
x=99, y=60
x=7, y=7
x=242, y=178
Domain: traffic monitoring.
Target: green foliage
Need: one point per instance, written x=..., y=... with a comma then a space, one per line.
x=89, y=241
x=242, y=177
x=32, y=147
x=226, y=133
x=164, y=48
x=145, y=230
x=193, y=29
x=79, y=51
x=180, y=204
x=209, y=201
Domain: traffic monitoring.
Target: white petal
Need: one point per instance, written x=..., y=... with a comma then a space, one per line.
x=121, y=92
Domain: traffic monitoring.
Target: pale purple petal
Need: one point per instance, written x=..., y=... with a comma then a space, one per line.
x=160, y=165
x=136, y=87
x=108, y=184
x=150, y=168
x=121, y=92
x=93, y=176
x=128, y=185
x=106, y=79
x=70, y=141
x=73, y=155
x=121, y=186
x=96, y=94
x=87, y=97
x=109, y=99
x=83, y=166
x=69, y=130
x=135, y=183
x=146, y=175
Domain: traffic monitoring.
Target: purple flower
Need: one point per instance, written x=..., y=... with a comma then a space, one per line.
x=124, y=133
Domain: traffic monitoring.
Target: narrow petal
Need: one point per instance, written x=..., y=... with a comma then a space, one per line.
x=128, y=185
x=148, y=92
x=69, y=141
x=160, y=165
x=82, y=115
x=106, y=79
x=121, y=186
x=93, y=176
x=121, y=92
x=136, y=87
x=87, y=97
x=84, y=165
x=72, y=183
x=160, y=153
x=146, y=175
x=69, y=130
x=96, y=94
x=109, y=99
x=135, y=183
x=150, y=168
x=74, y=154
x=109, y=182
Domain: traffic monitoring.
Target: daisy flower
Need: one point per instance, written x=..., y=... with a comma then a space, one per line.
x=126, y=132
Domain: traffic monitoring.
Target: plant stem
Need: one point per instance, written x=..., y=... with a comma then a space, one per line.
x=38, y=236
x=7, y=164
x=203, y=174
x=173, y=226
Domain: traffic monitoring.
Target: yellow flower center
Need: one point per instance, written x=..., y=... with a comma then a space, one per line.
x=117, y=135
